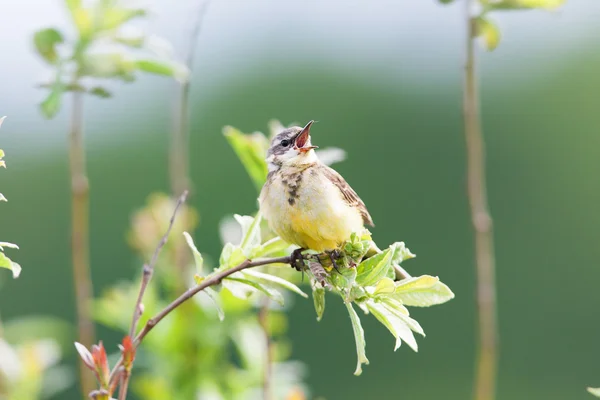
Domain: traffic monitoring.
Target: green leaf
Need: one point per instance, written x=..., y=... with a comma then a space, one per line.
x=509, y=5
x=7, y=263
x=343, y=278
x=401, y=253
x=9, y=245
x=100, y=92
x=273, y=247
x=445, y=1
x=73, y=5
x=359, y=338
x=231, y=256
x=384, y=287
x=594, y=391
x=108, y=65
x=488, y=31
x=272, y=279
x=318, y=295
x=45, y=41
x=198, y=260
x=271, y=293
x=136, y=42
x=114, y=17
x=371, y=270
x=216, y=299
x=422, y=291
x=177, y=71
x=251, y=150
x=394, y=323
x=51, y=105
x=250, y=232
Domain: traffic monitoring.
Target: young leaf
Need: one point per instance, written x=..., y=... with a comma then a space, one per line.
x=271, y=248
x=177, y=71
x=594, y=391
x=108, y=65
x=359, y=338
x=422, y=291
x=250, y=232
x=319, y=300
x=488, y=31
x=51, y=105
x=251, y=150
x=7, y=263
x=73, y=5
x=394, y=323
x=198, y=260
x=370, y=271
x=100, y=92
x=216, y=299
x=272, y=279
x=9, y=245
x=384, y=287
x=271, y=293
x=45, y=41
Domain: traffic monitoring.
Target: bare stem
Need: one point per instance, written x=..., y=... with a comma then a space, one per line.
x=485, y=381
x=263, y=319
x=80, y=236
x=211, y=280
x=147, y=272
x=179, y=154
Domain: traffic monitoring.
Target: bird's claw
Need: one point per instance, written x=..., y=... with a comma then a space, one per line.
x=296, y=259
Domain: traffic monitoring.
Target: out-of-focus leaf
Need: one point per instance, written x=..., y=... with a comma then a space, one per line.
x=594, y=391
x=422, y=291
x=9, y=245
x=135, y=42
x=214, y=296
x=271, y=248
x=331, y=155
x=114, y=17
x=100, y=92
x=272, y=279
x=73, y=5
x=250, y=232
x=488, y=32
x=51, y=105
x=7, y=263
x=445, y=1
x=108, y=65
x=1, y=121
x=83, y=21
x=177, y=71
x=231, y=256
x=45, y=41
x=251, y=150
x=359, y=338
x=37, y=327
x=370, y=271
x=524, y=4
x=271, y=293
x=319, y=300
x=198, y=260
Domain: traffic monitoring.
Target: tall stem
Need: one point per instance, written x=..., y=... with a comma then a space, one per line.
x=486, y=364
x=80, y=236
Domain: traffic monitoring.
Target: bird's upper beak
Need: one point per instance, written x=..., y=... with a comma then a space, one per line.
x=302, y=142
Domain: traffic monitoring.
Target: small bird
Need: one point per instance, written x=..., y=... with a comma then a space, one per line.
x=304, y=201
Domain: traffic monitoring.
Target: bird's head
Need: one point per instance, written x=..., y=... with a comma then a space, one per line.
x=291, y=147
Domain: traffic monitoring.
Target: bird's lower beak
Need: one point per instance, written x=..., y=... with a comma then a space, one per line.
x=303, y=139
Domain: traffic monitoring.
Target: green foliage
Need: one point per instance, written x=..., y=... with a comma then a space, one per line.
x=359, y=277
x=98, y=26
x=6, y=262
x=488, y=31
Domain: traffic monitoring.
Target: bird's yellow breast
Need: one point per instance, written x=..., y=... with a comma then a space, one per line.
x=306, y=209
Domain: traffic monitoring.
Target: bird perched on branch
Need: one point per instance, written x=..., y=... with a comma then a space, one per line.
x=304, y=201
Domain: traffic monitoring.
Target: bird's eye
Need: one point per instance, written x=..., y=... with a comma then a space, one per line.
x=285, y=143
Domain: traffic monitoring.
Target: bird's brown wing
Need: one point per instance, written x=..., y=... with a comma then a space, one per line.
x=348, y=193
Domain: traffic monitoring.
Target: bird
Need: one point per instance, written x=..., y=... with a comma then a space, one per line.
x=305, y=202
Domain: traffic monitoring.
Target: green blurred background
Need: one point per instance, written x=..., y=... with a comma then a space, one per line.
x=383, y=80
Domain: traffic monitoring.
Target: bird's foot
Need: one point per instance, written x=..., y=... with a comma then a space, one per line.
x=334, y=255
x=297, y=260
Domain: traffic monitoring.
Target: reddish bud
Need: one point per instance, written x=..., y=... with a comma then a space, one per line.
x=128, y=349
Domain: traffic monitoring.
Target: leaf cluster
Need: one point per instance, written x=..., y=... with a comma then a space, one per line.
x=101, y=49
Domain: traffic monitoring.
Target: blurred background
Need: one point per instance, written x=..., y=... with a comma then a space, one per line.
x=383, y=80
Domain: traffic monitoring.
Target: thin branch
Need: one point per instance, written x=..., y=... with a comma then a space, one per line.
x=188, y=294
x=179, y=156
x=147, y=272
x=263, y=319
x=485, y=381
x=80, y=236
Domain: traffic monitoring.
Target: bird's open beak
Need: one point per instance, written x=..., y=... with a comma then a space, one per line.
x=303, y=139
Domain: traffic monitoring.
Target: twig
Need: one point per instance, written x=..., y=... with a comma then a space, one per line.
x=188, y=294
x=147, y=272
x=179, y=156
x=80, y=236
x=263, y=319
x=485, y=381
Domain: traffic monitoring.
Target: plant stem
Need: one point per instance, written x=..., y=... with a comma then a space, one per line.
x=147, y=272
x=179, y=154
x=263, y=319
x=80, y=236
x=485, y=381
x=211, y=280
